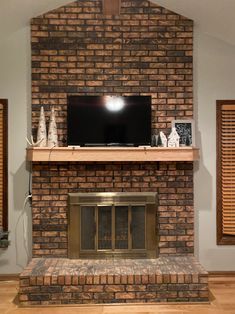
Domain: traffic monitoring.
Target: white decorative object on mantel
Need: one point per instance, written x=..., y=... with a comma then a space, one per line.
x=173, y=139
x=42, y=131
x=52, y=131
x=163, y=139
x=32, y=143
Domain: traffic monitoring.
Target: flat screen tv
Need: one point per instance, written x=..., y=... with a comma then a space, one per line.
x=109, y=120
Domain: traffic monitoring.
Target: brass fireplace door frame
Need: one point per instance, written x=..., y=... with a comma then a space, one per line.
x=76, y=200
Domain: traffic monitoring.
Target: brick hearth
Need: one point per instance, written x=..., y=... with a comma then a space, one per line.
x=64, y=281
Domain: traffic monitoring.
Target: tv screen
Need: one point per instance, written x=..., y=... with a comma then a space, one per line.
x=109, y=120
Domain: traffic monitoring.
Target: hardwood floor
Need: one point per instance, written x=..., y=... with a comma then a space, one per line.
x=222, y=301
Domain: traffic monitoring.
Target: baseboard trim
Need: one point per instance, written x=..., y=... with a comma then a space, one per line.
x=9, y=277
x=221, y=273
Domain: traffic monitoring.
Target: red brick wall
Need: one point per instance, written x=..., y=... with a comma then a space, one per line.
x=147, y=50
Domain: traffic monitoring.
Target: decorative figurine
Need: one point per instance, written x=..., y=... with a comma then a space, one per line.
x=159, y=141
x=174, y=139
x=52, y=132
x=32, y=143
x=154, y=140
x=42, y=131
x=163, y=139
x=188, y=141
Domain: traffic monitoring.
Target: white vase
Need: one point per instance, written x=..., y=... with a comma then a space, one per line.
x=42, y=131
x=52, y=131
x=163, y=139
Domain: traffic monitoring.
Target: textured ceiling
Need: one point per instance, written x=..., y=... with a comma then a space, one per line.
x=215, y=17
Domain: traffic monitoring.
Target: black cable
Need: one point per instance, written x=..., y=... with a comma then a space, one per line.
x=30, y=180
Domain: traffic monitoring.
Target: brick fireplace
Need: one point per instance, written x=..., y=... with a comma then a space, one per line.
x=147, y=50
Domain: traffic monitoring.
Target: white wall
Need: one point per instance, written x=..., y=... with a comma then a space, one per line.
x=214, y=79
x=214, y=68
x=15, y=86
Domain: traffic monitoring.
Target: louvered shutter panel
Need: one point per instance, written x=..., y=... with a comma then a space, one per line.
x=3, y=165
x=227, y=159
x=1, y=162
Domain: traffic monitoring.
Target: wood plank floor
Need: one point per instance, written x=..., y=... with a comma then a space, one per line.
x=222, y=301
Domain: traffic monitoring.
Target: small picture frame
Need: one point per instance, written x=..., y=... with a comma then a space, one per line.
x=185, y=129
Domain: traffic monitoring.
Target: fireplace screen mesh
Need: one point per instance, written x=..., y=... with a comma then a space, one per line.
x=128, y=231
x=104, y=228
x=88, y=232
x=121, y=227
x=138, y=227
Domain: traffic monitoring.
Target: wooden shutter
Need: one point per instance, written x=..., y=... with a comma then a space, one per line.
x=226, y=172
x=3, y=166
x=1, y=163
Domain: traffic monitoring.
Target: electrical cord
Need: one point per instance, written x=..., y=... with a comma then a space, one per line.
x=29, y=196
x=27, y=200
x=50, y=152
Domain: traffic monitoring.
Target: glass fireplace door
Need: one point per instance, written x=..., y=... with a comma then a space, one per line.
x=110, y=224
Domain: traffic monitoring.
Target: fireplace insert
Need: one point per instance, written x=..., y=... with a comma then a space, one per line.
x=112, y=225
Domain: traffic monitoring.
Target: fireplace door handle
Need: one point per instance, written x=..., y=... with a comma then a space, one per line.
x=131, y=228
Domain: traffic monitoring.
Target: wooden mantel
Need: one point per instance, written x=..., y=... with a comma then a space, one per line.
x=100, y=154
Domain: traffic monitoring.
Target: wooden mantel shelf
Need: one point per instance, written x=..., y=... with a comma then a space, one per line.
x=144, y=153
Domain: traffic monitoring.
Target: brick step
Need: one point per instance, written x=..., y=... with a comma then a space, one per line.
x=47, y=281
